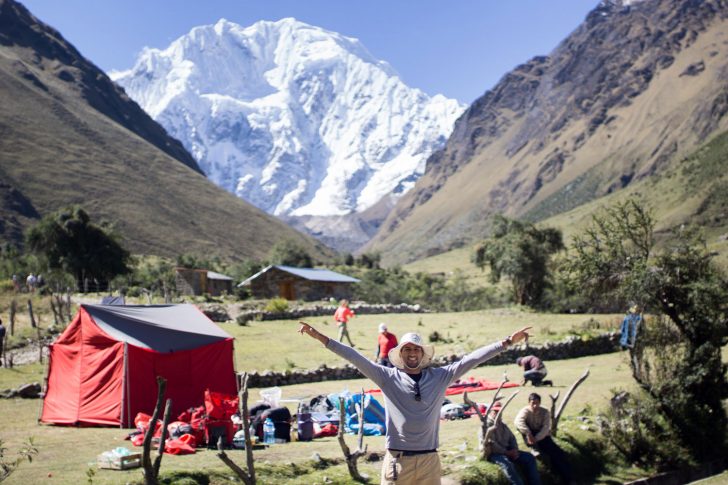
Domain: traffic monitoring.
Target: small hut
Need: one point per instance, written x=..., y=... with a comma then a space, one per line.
x=201, y=281
x=299, y=283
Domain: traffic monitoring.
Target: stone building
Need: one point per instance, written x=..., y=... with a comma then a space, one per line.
x=299, y=283
x=201, y=281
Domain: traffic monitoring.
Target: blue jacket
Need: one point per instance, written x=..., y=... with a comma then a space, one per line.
x=630, y=324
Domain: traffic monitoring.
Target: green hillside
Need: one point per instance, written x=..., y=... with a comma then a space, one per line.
x=693, y=190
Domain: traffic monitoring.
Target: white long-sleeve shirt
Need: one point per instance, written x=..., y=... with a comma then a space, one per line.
x=538, y=422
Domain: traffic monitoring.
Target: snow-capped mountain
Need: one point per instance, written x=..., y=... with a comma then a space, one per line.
x=298, y=120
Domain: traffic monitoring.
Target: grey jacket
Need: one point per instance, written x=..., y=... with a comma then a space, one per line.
x=413, y=425
x=502, y=439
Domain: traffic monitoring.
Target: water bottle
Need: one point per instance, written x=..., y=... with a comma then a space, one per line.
x=269, y=430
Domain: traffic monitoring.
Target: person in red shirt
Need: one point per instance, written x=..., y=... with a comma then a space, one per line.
x=342, y=316
x=387, y=341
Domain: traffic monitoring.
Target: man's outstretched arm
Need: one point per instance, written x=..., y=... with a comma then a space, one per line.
x=482, y=354
x=371, y=370
x=307, y=329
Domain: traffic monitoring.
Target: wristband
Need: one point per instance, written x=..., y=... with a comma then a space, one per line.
x=508, y=340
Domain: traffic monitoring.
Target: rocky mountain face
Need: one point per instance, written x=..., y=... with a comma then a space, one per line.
x=52, y=53
x=69, y=135
x=635, y=86
x=302, y=122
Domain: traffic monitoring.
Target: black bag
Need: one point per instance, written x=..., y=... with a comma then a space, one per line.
x=281, y=418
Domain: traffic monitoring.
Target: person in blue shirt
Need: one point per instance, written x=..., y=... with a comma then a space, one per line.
x=630, y=326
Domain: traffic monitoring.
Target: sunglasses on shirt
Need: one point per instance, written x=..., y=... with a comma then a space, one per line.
x=418, y=396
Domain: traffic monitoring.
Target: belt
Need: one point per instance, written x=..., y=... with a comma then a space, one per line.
x=412, y=452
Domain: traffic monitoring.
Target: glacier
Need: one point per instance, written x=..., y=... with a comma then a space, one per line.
x=298, y=120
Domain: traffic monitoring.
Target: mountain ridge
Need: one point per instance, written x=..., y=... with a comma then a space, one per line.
x=58, y=148
x=631, y=89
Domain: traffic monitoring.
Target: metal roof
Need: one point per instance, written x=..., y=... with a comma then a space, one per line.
x=211, y=275
x=311, y=274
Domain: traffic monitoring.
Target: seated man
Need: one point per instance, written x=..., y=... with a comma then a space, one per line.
x=504, y=451
x=534, y=423
x=534, y=370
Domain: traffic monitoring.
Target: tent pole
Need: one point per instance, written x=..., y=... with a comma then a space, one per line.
x=235, y=370
x=45, y=385
x=124, y=397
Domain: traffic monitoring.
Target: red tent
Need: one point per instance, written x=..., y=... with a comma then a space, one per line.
x=103, y=367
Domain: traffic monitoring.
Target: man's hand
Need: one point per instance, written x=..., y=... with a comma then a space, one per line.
x=306, y=329
x=522, y=334
x=530, y=439
x=512, y=454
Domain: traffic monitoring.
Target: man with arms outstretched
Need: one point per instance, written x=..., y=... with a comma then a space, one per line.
x=413, y=396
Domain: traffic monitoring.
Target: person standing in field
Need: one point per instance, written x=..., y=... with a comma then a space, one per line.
x=342, y=316
x=385, y=342
x=413, y=395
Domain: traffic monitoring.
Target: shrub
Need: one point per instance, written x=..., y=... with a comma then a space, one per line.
x=483, y=472
x=636, y=427
x=676, y=358
x=277, y=305
x=243, y=319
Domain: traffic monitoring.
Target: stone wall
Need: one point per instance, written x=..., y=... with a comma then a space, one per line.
x=569, y=348
x=327, y=310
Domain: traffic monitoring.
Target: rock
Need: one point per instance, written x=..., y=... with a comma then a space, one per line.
x=29, y=391
x=216, y=313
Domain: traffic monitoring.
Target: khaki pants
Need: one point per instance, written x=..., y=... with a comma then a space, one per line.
x=411, y=470
x=344, y=332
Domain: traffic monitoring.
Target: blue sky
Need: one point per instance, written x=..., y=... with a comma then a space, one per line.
x=459, y=48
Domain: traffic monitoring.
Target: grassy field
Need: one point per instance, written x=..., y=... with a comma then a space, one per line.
x=275, y=345
x=65, y=453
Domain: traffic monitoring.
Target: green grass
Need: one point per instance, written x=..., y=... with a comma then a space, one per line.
x=450, y=262
x=65, y=452
x=267, y=345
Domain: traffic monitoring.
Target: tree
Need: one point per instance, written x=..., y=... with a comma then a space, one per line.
x=289, y=253
x=71, y=242
x=676, y=359
x=521, y=252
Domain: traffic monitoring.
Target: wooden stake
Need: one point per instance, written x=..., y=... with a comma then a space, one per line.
x=485, y=432
x=150, y=477
x=351, y=458
x=30, y=312
x=555, y=417
x=13, y=311
x=248, y=477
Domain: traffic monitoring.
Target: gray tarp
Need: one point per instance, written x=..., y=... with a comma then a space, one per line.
x=164, y=328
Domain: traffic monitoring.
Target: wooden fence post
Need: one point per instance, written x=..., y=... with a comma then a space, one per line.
x=13, y=311
x=30, y=312
x=248, y=477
